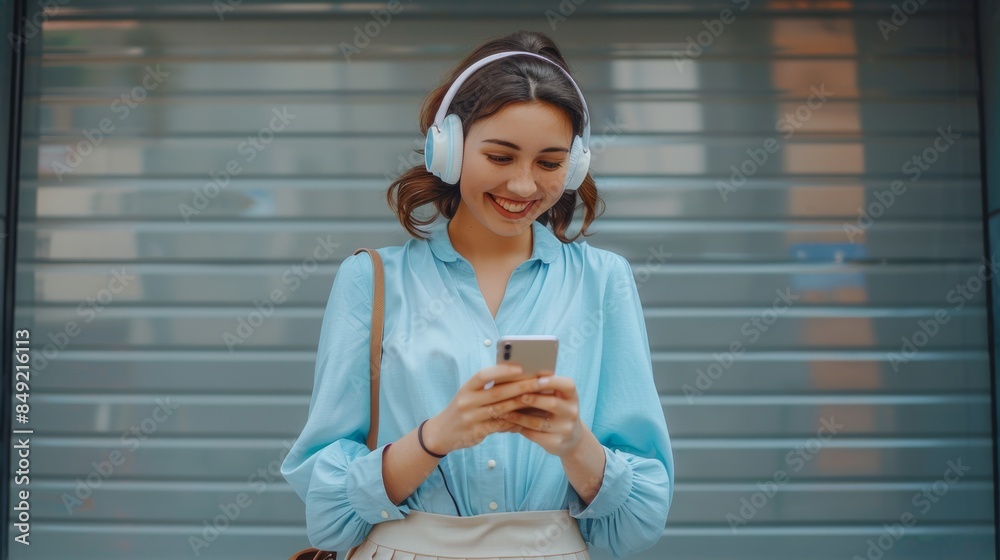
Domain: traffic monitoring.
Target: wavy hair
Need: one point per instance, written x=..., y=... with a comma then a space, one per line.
x=487, y=91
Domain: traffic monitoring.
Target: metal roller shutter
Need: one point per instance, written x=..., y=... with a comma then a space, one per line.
x=745, y=158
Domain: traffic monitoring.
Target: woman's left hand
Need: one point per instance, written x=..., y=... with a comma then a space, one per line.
x=557, y=427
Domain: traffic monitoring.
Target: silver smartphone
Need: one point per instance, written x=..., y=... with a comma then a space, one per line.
x=534, y=353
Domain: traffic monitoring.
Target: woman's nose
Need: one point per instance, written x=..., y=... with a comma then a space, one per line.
x=523, y=184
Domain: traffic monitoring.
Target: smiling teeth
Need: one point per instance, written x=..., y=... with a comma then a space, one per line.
x=515, y=208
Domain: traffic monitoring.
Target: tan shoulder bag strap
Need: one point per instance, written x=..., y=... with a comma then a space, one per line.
x=378, y=318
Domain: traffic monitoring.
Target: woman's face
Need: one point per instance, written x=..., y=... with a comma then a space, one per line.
x=516, y=156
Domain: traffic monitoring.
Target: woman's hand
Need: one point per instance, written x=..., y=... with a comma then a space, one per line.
x=475, y=412
x=558, y=431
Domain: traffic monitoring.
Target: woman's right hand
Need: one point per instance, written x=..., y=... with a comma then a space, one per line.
x=474, y=412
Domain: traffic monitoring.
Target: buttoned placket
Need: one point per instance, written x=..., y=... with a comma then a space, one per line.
x=487, y=492
x=491, y=489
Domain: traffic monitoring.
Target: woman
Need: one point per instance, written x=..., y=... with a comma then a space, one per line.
x=458, y=472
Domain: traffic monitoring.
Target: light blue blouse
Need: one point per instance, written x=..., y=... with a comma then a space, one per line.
x=438, y=333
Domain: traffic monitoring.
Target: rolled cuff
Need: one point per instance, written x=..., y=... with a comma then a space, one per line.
x=615, y=489
x=366, y=489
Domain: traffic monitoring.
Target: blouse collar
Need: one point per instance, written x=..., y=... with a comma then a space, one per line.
x=546, y=246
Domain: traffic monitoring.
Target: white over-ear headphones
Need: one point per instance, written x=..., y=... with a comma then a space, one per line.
x=444, y=145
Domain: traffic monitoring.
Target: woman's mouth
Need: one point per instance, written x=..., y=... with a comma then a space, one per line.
x=510, y=208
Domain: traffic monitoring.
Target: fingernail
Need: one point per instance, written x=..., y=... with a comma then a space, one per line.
x=543, y=381
x=488, y=385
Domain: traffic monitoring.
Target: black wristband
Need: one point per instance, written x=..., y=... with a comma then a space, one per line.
x=420, y=438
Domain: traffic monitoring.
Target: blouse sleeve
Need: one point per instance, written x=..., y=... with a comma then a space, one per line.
x=629, y=513
x=330, y=466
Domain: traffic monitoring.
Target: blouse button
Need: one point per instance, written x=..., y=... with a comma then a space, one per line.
x=493, y=505
x=385, y=514
x=487, y=342
x=491, y=463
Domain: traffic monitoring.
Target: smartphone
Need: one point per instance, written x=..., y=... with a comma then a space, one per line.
x=534, y=353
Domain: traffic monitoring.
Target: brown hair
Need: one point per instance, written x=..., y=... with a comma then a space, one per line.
x=487, y=91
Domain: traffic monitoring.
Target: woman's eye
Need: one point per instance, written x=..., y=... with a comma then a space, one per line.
x=550, y=165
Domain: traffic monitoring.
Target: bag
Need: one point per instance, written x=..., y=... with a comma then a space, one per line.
x=378, y=312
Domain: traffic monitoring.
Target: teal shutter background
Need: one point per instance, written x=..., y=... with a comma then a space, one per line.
x=134, y=232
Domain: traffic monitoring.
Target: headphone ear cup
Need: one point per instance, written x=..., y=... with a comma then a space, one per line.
x=452, y=128
x=443, y=150
x=578, y=163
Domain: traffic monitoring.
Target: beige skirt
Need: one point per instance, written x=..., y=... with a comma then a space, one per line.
x=544, y=535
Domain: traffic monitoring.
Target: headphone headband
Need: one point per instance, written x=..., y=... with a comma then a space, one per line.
x=446, y=102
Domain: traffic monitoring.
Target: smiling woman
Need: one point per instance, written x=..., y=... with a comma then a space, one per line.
x=520, y=114
x=462, y=468
x=513, y=169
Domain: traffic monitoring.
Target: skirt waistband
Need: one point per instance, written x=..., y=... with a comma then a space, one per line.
x=516, y=533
